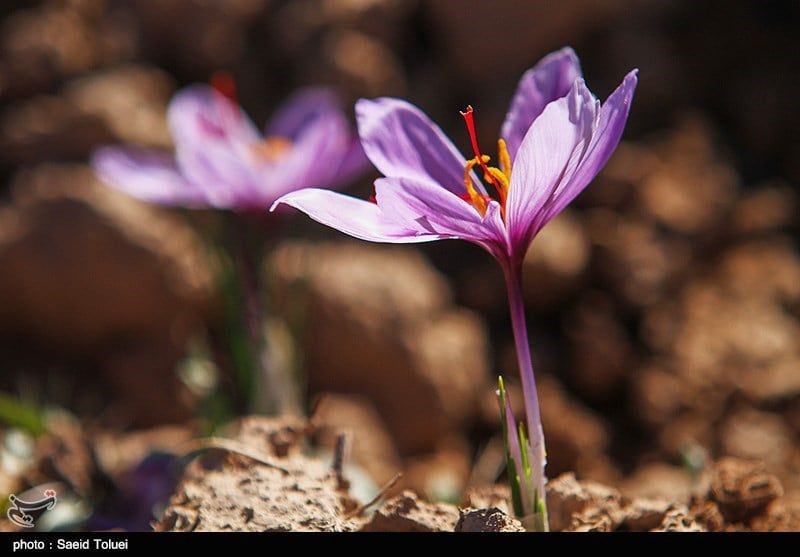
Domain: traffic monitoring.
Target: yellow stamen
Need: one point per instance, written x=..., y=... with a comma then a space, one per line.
x=272, y=148
x=501, y=178
x=504, y=157
x=475, y=198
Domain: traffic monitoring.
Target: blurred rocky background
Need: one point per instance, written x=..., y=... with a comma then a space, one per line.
x=663, y=306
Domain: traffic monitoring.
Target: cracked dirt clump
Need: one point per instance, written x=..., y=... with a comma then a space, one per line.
x=487, y=520
x=247, y=487
x=408, y=513
x=742, y=489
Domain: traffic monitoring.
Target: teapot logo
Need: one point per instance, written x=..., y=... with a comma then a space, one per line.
x=19, y=512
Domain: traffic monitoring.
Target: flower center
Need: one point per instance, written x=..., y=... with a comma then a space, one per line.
x=499, y=178
x=272, y=149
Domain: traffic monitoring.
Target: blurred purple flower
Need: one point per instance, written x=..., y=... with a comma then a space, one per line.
x=223, y=161
x=556, y=137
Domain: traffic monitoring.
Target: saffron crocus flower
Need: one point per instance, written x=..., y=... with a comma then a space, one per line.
x=555, y=139
x=223, y=161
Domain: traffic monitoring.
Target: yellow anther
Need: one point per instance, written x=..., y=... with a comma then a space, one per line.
x=504, y=157
x=272, y=148
x=475, y=198
x=501, y=178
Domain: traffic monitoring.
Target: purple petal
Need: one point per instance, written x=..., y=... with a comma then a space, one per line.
x=215, y=146
x=302, y=109
x=228, y=181
x=325, y=151
x=606, y=137
x=402, y=141
x=315, y=159
x=353, y=162
x=430, y=209
x=549, y=154
x=146, y=175
x=352, y=216
x=550, y=79
x=199, y=115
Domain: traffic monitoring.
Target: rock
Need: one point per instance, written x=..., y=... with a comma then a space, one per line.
x=117, y=453
x=371, y=445
x=126, y=104
x=93, y=275
x=53, y=41
x=601, y=352
x=488, y=496
x=644, y=515
x=514, y=36
x=170, y=29
x=776, y=381
x=48, y=128
x=556, y=263
x=407, y=513
x=783, y=516
x=48, y=42
x=678, y=520
x=360, y=63
x=441, y=474
x=247, y=488
x=765, y=209
x=729, y=335
x=634, y=257
x=572, y=505
x=487, y=520
x=575, y=436
x=658, y=395
x=709, y=516
x=380, y=324
x=684, y=185
x=306, y=30
x=130, y=100
x=659, y=481
x=742, y=489
x=754, y=435
x=65, y=454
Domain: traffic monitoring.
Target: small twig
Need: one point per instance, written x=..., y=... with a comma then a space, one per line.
x=340, y=455
x=231, y=446
x=316, y=406
x=381, y=494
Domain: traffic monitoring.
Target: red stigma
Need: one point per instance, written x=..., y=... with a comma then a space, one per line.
x=473, y=137
x=224, y=84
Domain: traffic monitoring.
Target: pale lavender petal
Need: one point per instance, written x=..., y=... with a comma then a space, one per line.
x=227, y=180
x=199, y=115
x=428, y=208
x=550, y=151
x=301, y=110
x=146, y=175
x=309, y=109
x=353, y=162
x=550, y=79
x=215, y=146
x=313, y=160
x=606, y=137
x=358, y=218
x=402, y=141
